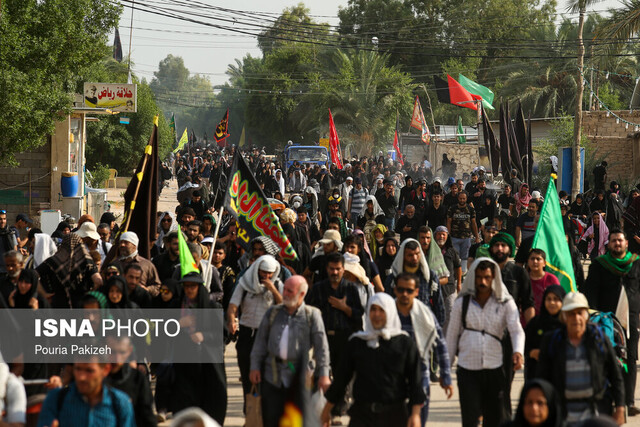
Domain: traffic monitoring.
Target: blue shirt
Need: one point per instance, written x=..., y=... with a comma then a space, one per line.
x=76, y=411
x=441, y=352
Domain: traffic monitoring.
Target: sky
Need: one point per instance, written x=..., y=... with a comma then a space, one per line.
x=202, y=53
x=211, y=50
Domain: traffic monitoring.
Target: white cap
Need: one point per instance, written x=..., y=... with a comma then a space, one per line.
x=88, y=229
x=332, y=236
x=573, y=301
x=130, y=237
x=536, y=195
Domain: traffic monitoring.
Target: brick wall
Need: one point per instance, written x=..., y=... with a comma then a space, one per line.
x=15, y=197
x=620, y=143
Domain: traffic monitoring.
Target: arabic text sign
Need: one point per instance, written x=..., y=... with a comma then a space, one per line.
x=114, y=96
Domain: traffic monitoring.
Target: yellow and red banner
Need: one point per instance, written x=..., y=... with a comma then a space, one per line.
x=418, y=122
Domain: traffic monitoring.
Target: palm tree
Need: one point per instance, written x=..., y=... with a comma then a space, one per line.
x=546, y=87
x=366, y=105
x=623, y=23
x=579, y=6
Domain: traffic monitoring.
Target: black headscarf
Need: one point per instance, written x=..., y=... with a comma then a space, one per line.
x=553, y=403
x=59, y=232
x=538, y=326
x=120, y=283
x=22, y=300
x=176, y=291
x=384, y=260
x=615, y=211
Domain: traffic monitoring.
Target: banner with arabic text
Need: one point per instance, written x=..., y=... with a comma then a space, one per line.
x=121, y=97
x=247, y=203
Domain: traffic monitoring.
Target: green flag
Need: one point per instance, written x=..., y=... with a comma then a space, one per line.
x=460, y=132
x=183, y=140
x=477, y=89
x=187, y=263
x=551, y=239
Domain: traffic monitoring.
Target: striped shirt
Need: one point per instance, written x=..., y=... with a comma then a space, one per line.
x=578, y=389
x=358, y=197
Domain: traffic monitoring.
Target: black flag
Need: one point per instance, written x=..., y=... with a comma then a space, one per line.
x=245, y=200
x=141, y=197
x=117, y=47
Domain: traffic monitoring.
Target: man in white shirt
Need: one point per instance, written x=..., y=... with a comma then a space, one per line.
x=482, y=312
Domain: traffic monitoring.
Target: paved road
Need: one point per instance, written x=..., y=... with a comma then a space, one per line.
x=442, y=412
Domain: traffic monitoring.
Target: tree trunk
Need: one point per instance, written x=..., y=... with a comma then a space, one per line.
x=575, y=185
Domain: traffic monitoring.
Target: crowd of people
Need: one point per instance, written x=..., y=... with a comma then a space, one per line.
x=400, y=276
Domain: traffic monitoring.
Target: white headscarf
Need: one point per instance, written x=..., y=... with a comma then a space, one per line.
x=424, y=325
x=280, y=181
x=191, y=414
x=250, y=280
x=43, y=248
x=500, y=291
x=397, y=266
x=377, y=210
x=391, y=329
x=161, y=233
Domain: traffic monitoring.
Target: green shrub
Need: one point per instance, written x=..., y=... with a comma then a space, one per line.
x=98, y=176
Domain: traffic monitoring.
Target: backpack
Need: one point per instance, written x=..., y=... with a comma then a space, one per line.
x=465, y=307
x=611, y=327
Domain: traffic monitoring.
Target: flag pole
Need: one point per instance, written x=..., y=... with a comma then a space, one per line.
x=213, y=245
x=433, y=119
x=144, y=165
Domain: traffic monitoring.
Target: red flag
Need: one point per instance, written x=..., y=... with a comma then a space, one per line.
x=396, y=144
x=452, y=92
x=460, y=96
x=334, y=143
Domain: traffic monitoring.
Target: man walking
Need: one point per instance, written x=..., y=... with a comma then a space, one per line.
x=579, y=361
x=614, y=281
x=461, y=223
x=481, y=314
x=8, y=241
x=419, y=322
x=339, y=301
x=410, y=259
x=87, y=401
x=281, y=347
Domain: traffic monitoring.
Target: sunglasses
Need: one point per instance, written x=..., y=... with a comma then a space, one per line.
x=166, y=220
x=2, y=211
x=165, y=291
x=404, y=290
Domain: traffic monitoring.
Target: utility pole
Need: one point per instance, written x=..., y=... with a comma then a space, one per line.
x=577, y=128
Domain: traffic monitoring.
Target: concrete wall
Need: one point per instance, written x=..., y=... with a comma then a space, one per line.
x=16, y=196
x=620, y=143
x=465, y=155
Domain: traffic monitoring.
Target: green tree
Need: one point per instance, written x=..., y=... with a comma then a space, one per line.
x=366, y=102
x=46, y=50
x=188, y=96
x=293, y=24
